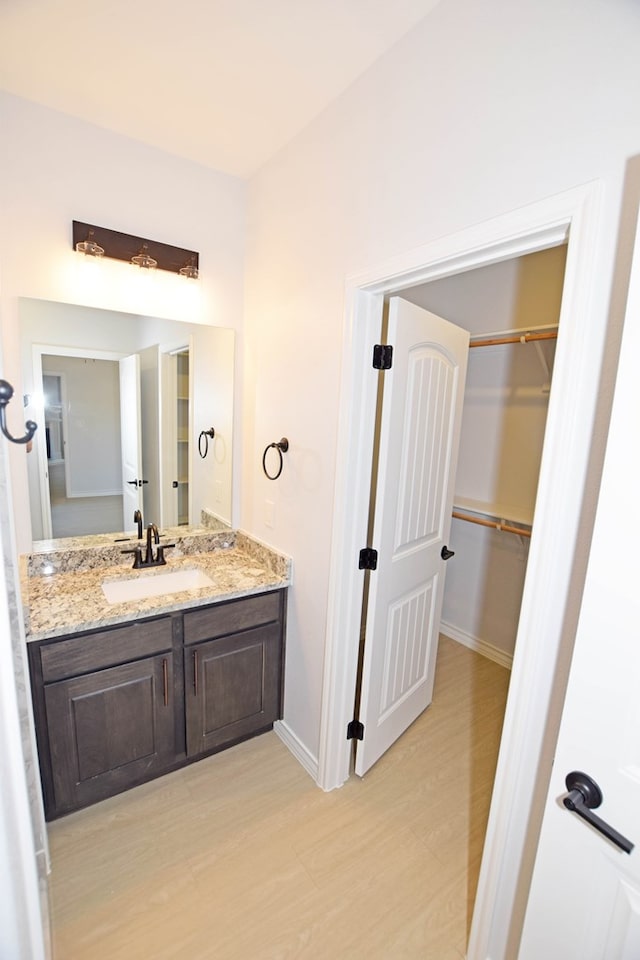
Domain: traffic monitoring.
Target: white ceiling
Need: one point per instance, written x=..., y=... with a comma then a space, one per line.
x=223, y=82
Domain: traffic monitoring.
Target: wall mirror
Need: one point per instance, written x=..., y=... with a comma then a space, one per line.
x=121, y=401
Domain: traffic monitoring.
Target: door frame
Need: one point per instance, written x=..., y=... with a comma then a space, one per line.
x=39, y=350
x=572, y=217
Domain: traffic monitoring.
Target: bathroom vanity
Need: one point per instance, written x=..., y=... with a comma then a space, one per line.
x=125, y=692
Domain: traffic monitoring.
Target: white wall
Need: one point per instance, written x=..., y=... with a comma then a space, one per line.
x=54, y=169
x=483, y=108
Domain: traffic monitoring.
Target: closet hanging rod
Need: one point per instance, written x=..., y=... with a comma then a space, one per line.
x=514, y=336
x=496, y=524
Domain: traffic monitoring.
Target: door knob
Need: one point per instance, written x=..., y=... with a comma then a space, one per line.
x=446, y=554
x=584, y=796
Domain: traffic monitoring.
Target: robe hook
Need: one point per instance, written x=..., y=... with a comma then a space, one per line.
x=6, y=393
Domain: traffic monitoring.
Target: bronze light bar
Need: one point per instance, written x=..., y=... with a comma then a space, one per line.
x=123, y=246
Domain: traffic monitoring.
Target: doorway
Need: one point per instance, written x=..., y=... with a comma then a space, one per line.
x=553, y=581
x=511, y=310
x=503, y=424
x=82, y=438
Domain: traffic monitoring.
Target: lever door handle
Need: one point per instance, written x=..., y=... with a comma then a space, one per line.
x=133, y=483
x=446, y=554
x=584, y=796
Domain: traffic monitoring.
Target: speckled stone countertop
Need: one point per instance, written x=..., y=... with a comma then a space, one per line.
x=62, y=586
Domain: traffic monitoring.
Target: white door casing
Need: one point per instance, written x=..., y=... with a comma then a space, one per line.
x=584, y=902
x=131, y=437
x=574, y=215
x=39, y=351
x=419, y=435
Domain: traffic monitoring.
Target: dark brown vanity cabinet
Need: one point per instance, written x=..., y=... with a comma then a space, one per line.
x=105, y=708
x=233, y=671
x=120, y=706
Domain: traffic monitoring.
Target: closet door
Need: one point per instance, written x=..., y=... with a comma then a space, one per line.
x=419, y=434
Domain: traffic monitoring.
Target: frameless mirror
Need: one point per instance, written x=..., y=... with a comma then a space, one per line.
x=126, y=404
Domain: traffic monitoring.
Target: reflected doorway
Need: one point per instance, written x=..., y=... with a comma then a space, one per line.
x=82, y=436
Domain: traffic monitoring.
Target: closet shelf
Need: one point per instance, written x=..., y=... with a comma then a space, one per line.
x=499, y=516
x=516, y=335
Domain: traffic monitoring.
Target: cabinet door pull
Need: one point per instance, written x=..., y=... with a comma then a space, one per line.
x=195, y=672
x=165, y=681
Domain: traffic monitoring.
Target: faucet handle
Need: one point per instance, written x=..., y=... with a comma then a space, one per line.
x=160, y=557
x=137, y=560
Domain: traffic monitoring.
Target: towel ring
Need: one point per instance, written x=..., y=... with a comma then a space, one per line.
x=282, y=446
x=6, y=392
x=204, y=435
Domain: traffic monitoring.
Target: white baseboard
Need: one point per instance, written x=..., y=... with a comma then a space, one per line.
x=74, y=494
x=482, y=647
x=297, y=748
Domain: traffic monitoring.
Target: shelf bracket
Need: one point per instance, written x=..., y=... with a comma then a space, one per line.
x=546, y=386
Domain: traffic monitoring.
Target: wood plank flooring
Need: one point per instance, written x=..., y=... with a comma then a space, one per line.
x=242, y=857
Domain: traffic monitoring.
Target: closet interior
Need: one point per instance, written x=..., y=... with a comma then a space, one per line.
x=511, y=310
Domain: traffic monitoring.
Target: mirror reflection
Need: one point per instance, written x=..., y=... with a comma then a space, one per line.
x=122, y=400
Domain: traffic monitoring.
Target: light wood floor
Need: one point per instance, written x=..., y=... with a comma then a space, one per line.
x=242, y=857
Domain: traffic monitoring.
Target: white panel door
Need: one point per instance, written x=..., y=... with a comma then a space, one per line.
x=131, y=438
x=419, y=434
x=150, y=414
x=585, y=895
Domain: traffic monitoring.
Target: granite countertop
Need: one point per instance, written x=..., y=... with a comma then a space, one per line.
x=70, y=599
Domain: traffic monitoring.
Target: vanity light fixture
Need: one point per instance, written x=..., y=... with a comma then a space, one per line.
x=189, y=270
x=100, y=241
x=89, y=246
x=142, y=259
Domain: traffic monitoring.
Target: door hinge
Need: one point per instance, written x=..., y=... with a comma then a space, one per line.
x=355, y=730
x=382, y=356
x=368, y=559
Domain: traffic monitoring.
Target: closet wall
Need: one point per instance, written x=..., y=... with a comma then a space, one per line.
x=504, y=416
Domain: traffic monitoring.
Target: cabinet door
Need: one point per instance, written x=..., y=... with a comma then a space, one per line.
x=232, y=687
x=110, y=729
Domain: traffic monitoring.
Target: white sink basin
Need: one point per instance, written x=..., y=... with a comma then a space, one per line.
x=154, y=585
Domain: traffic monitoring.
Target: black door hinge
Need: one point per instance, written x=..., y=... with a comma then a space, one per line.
x=355, y=730
x=368, y=559
x=382, y=356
